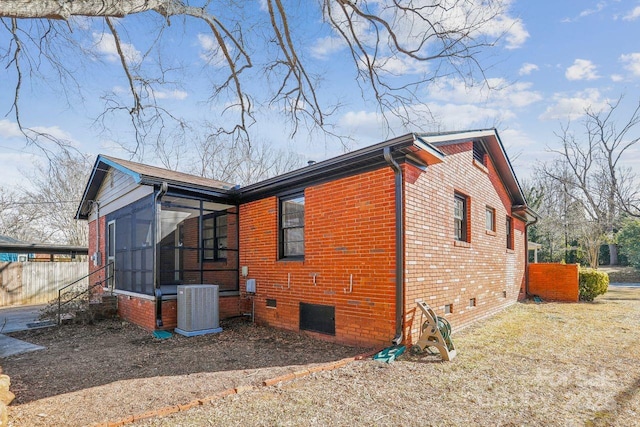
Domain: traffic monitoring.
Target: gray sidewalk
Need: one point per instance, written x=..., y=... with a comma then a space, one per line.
x=19, y=318
x=625, y=285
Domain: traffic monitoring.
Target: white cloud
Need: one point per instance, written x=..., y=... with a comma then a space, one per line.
x=527, y=68
x=370, y=127
x=496, y=93
x=106, y=46
x=601, y=5
x=616, y=78
x=514, y=138
x=582, y=69
x=326, y=46
x=53, y=131
x=14, y=166
x=586, y=12
x=172, y=94
x=632, y=62
x=516, y=34
x=467, y=116
x=367, y=126
x=361, y=119
x=571, y=107
x=9, y=129
x=511, y=29
x=211, y=52
x=399, y=66
x=632, y=15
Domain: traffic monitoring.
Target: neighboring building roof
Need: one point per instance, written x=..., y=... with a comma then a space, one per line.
x=10, y=247
x=8, y=256
x=42, y=248
x=7, y=239
x=418, y=148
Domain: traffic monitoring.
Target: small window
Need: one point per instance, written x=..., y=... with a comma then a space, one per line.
x=509, y=227
x=460, y=216
x=214, y=237
x=271, y=303
x=490, y=219
x=448, y=309
x=504, y=294
x=292, y=227
x=479, y=153
x=472, y=302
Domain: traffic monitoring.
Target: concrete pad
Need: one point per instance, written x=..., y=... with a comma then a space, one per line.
x=19, y=318
x=11, y=346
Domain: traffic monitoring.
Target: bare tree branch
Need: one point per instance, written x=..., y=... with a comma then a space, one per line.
x=435, y=38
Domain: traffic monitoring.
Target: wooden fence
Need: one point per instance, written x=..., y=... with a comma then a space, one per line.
x=37, y=282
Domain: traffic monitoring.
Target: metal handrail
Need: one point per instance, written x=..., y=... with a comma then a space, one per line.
x=90, y=288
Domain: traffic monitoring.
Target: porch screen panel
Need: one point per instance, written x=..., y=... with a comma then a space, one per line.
x=198, y=244
x=134, y=246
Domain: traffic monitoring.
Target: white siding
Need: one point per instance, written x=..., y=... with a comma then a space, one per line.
x=118, y=190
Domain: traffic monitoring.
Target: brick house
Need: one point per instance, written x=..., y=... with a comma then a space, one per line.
x=342, y=248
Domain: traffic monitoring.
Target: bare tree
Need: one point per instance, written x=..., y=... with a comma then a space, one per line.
x=242, y=164
x=44, y=213
x=436, y=37
x=560, y=216
x=592, y=236
x=598, y=179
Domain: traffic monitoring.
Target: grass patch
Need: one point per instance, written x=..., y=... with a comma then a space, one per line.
x=533, y=364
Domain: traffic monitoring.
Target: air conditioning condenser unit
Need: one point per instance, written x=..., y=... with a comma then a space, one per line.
x=198, y=310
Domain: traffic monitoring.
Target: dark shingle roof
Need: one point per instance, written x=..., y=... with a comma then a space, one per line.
x=148, y=171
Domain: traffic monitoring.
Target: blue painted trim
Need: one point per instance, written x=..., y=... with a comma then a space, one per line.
x=136, y=176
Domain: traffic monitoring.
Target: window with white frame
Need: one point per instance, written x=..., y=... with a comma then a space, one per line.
x=461, y=220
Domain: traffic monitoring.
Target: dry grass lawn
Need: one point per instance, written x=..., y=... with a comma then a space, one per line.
x=534, y=364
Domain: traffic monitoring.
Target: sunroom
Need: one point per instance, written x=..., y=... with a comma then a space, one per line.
x=159, y=229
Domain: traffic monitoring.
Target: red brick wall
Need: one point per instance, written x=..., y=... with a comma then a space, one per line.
x=142, y=311
x=225, y=279
x=99, y=276
x=441, y=271
x=554, y=282
x=349, y=230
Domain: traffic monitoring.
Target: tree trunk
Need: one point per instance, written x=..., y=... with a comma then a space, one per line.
x=613, y=254
x=63, y=9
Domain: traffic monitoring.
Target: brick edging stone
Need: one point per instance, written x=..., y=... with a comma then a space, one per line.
x=167, y=410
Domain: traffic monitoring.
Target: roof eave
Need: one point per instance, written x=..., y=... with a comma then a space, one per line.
x=525, y=213
x=363, y=159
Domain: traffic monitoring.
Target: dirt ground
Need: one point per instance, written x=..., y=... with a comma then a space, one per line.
x=533, y=364
x=106, y=371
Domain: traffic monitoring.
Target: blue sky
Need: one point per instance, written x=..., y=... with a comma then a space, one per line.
x=556, y=59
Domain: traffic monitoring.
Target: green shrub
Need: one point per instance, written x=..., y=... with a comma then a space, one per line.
x=592, y=283
x=629, y=242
